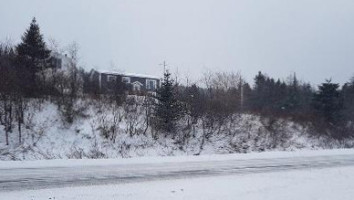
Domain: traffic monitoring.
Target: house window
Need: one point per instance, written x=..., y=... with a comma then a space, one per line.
x=111, y=78
x=126, y=79
x=150, y=84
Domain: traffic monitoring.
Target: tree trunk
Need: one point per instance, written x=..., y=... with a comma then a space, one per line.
x=7, y=137
x=19, y=133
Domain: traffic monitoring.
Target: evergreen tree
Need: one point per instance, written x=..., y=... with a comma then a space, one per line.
x=328, y=103
x=259, y=92
x=167, y=109
x=348, y=99
x=304, y=111
x=34, y=58
x=268, y=95
x=293, y=96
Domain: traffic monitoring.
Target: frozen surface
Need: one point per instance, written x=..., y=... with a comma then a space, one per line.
x=27, y=175
x=323, y=184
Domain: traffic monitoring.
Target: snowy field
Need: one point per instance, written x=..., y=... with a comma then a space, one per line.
x=322, y=184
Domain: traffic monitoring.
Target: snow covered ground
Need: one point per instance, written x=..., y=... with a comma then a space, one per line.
x=321, y=184
x=323, y=174
x=76, y=161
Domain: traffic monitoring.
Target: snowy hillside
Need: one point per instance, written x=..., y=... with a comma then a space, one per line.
x=103, y=130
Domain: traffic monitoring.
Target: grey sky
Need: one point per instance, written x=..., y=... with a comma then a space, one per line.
x=314, y=38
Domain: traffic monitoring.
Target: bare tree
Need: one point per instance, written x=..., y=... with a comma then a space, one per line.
x=21, y=105
x=148, y=103
x=70, y=85
x=9, y=89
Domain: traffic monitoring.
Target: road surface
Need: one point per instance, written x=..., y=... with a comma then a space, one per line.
x=24, y=178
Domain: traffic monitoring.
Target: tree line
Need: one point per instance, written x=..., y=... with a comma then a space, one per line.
x=328, y=109
x=28, y=71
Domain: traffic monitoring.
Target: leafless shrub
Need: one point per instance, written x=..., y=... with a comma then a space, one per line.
x=132, y=116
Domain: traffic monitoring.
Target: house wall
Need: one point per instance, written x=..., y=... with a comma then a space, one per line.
x=60, y=61
x=107, y=86
x=142, y=80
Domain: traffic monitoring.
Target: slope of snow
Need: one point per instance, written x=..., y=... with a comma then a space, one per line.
x=47, y=136
x=324, y=184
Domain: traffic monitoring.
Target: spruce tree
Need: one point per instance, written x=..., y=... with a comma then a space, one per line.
x=328, y=103
x=167, y=109
x=34, y=58
x=259, y=92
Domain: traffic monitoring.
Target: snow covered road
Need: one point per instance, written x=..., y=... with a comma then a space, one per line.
x=312, y=184
x=16, y=176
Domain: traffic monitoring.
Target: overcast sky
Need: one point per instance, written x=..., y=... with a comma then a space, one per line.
x=314, y=38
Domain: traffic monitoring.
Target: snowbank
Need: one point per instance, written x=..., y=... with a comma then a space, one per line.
x=171, y=159
x=108, y=131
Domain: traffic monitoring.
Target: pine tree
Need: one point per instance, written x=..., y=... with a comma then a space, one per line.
x=167, y=109
x=34, y=57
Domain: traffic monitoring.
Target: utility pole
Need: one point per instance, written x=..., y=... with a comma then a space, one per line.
x=164, y=66
x=164, y=71
x=241, y=96
x=176, y=79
